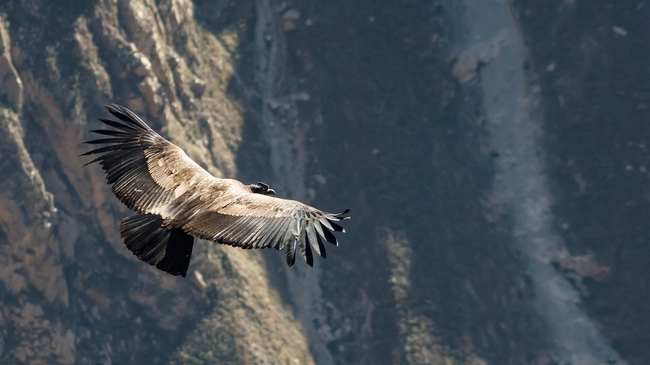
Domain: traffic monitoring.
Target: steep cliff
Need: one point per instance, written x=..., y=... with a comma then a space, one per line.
x=71, y=292
x=458, y=132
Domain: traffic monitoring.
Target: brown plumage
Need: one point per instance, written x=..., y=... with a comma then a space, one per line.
x=177, y=200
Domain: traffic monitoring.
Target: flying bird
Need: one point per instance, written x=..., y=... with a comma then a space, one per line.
x=176, y=200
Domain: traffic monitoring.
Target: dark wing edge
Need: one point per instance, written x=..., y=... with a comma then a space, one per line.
x=304, y=231
x=312, y=234
x=125, y=163
x=128, y=131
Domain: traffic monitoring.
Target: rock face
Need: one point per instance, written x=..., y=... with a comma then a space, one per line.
x=71, y=293
x=476, y=238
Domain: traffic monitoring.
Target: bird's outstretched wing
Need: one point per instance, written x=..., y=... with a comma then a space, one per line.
x=261, y=221
x=146, y=171
x=177, y=199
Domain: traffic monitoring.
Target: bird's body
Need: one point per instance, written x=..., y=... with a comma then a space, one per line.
x=177, y=200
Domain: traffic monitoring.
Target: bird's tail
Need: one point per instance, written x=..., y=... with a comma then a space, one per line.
x=170, y=250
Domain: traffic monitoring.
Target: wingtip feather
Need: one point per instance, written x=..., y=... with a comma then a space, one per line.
x=291, y=253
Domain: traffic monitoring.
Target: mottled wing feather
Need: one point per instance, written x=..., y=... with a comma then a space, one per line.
x=172, y=169
x=313, y=241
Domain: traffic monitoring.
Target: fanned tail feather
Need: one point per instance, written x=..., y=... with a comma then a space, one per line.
x=168, y=250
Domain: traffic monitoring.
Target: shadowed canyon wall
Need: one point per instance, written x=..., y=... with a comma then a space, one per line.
x=493, y=155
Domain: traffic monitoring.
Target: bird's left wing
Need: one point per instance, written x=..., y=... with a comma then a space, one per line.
x=146, y=171
x=249, y=221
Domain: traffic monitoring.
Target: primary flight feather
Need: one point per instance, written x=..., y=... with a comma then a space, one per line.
x=177, y=200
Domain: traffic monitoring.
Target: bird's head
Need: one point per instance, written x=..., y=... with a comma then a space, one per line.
x=261, y=188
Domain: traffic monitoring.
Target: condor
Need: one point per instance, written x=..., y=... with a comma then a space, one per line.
x=177, y=200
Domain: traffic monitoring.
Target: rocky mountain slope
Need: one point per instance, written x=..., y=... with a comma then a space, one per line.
x=496, y=219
